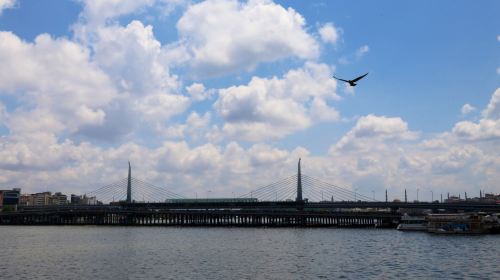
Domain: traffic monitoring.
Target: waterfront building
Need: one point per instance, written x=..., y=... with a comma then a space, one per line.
x=10, y=197
x=492, y=198
x=41, y=199
x=453, y=199
x=89, y=200
x=26, y=200
x=58, y=199
x=485, y=197
x=84, y=200
x=75, y=199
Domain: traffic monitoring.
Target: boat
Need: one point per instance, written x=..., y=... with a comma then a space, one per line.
x=461, y=223
x=412, y=223
x=492, y=223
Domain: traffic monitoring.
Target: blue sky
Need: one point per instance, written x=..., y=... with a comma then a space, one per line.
x=426, y=60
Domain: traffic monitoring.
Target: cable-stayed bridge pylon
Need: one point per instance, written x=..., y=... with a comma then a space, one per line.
x=313, y=190
x=300, y=188
x=303, y=188
x=141, y=191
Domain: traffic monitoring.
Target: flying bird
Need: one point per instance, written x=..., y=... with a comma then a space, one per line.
x=352, y=82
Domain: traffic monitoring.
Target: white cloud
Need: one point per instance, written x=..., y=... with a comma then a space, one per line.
x=100, y=97
x=433, y=144
x=225, y=36
x=198, y=92
x=132, y=56
x=487, y=128
x=196, y=127
x=374, y=128
x=329, y=33
x=261, y=154
x=53, y=79
x=273, y=108
x=380, y=153
x=6, y=4
x=322, y=112
x=98, y=12
x=161, y=106
x=179, y=157
x=386, y=127
x=362, y=51
x=492, y=111
x=484, y=130
x=136, y=62
x=467, y=108
x=3, y=113
x=38, y=152
x=139, y=65
x=455, y=159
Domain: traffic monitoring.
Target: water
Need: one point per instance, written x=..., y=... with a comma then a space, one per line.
x=90, y=252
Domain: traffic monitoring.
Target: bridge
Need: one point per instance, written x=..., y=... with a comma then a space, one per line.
x=298, y=200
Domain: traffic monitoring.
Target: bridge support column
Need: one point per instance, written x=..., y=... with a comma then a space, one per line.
x=299, y=200
x=299, y=184
x=129, y=184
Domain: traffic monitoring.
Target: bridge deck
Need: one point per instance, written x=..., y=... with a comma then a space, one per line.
x=191, y=217
x=230, y=213
x=466, y=206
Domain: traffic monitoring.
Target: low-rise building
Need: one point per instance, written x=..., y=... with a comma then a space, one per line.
x=41, y=199
x=492, y=198
x=14, y=197
x=76, y=199
x=58, y=199
x=10, y=197
x=453, y=199
x=27, y=200
x=89, y=200
x=84, y=200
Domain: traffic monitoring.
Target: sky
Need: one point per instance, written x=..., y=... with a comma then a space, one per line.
x=224, y=96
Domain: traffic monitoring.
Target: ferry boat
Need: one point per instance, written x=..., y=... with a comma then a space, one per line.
x=462, y=223
x=412, y=223
x=491, y=223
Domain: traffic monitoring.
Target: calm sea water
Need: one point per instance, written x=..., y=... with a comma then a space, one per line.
x=89, y=252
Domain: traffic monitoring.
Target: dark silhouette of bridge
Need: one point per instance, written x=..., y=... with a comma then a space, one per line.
x=298, y=200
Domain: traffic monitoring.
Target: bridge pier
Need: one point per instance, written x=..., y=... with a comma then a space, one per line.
x=99, y=216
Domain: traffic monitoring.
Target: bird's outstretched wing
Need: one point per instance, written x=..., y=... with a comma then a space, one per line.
x=359, y=78
x=341, y=79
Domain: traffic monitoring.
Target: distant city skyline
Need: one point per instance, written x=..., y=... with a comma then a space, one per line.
x=225, y=96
